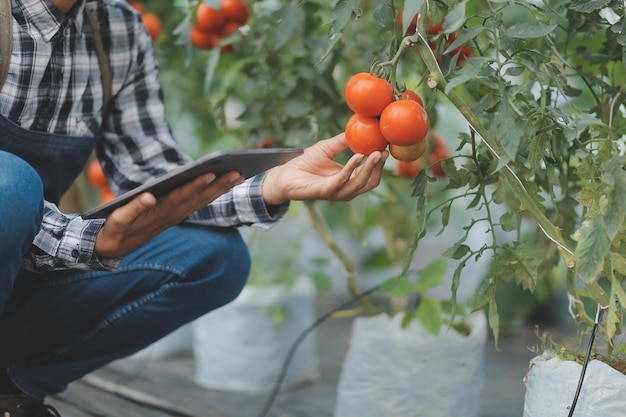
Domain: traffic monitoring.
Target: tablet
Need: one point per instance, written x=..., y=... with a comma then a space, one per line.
x=248, y=162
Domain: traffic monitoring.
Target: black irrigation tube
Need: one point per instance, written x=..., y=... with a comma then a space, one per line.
x=599, y=314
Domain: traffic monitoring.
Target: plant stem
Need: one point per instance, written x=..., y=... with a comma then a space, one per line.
x=320, y=225
x=437, y=80
x=322, y=228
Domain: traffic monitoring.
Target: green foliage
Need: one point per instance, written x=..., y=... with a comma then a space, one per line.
x=538, y=159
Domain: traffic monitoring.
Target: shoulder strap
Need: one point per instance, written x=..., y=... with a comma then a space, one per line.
x=103, y=61
x=6, y=39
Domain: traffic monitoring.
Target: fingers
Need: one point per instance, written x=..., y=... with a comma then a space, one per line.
x=133, y=224
x=354, y=180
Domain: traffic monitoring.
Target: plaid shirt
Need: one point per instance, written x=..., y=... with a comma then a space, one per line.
x=54, y=85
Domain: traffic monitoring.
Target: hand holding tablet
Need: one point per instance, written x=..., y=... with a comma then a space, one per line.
x=248, y=162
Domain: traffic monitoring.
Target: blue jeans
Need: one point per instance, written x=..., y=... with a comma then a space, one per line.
x=57, y=326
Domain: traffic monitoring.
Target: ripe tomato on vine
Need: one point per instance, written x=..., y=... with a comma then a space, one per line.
x=438, y=153
x=210, y=24
x=208, y=19
x=404, y=122
x=411, y=95
x=368, y=94
x=408, y=153
x=363, y=135
x=236, y=11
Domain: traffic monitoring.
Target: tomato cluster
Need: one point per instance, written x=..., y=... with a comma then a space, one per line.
x=437, y=153
x=96, y=178
x=150, y=20
x=433, y=30
x=383, y=119
x=211, y=25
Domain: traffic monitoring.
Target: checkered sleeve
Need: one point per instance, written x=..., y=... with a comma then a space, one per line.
x=243, y=205
x=66, y=241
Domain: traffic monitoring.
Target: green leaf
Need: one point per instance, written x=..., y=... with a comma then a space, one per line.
x=615, y=176
x=464, y=38
x=494, y=320
x=431, y=276
x=528, y=31
x=463, y=75
x=342, y=13
x=457, y=251
x=455, y=19
x=322, y=281
x=409, y=10
x=429, y=314
x=619, y=263
x=587, y=6
x=509, y=221
x=592, y=247
x=398, y=286
x=288, y=22
x=510, y=130
x=211, y=66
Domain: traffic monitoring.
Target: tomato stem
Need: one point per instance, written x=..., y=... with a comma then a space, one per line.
x=393, y=63
x=324, y=230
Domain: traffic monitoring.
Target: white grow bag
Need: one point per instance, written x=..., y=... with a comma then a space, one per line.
x=393, y=372
x=238, y=348
x=551, y=386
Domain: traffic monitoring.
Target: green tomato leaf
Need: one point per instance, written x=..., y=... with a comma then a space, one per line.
x=509, y=221
x=431, y=275
x=462, y=75
x=409, y=10
x=510, y=129
x=429, y=314
x=592, y=247
x=398, y=286
x=455, y=19
x=586, y=6
x=615, y=176
x=494, y=320
x=342, y=13
x=528, y=31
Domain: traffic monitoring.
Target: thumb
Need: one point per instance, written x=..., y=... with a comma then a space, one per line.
x=130, y=212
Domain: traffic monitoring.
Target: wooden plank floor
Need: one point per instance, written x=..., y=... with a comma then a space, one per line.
x=169, y=387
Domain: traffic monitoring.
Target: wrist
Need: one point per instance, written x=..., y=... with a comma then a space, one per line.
x=270, y=191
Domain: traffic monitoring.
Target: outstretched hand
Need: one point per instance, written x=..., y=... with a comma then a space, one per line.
x=316, y=174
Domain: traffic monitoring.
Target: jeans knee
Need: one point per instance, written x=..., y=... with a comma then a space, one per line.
x=228, y=263
x=237, y=266
x=21, y=205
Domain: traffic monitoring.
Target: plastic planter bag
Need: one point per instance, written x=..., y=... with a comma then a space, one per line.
x=551, y=386
x=239, y=348
x=393, y=372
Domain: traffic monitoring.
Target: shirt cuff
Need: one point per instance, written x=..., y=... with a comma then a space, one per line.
x=77, y=246
x=250, y=203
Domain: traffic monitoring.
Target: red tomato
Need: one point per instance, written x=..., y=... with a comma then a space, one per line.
x=367, y=94
x=209, y=19
x=203, y=40
x=411, y=95
x=235, y=11
x=409, y=169
x=408, y=153
x=404, y=122
x=438, y=153
x=95, y=175
x=363, y=135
